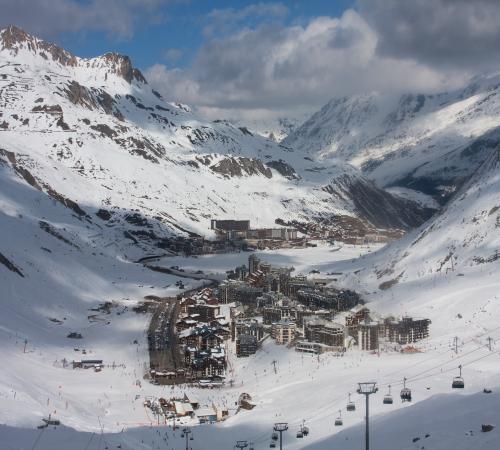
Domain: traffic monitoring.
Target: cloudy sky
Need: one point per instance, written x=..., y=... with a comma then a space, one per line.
x=254, y=59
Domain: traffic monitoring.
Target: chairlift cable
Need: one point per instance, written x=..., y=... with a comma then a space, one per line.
x=320, y=413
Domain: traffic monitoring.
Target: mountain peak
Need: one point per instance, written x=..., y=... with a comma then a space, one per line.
x=121, y=65
x=14, y=39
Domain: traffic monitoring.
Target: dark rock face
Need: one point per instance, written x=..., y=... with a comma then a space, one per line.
x=122, y=66
x=382, y=209
x=104, y=129
x=104, y=214
x=49, y=109
x=50, y=229
x=62, y=124
x=237, y=167
x=79, y=95
x=283, y=169
x=246, y=131
x=92, y=98
x=10, y=265
x=137, y=219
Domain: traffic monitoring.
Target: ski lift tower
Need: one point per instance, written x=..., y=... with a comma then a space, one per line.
x=185, y=433
x=367, y=389
x=280, y=428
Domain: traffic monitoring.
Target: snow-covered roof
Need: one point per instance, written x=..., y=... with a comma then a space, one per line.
x=205, y=412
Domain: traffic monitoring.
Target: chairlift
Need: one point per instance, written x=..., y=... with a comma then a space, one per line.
x=350, y=405
x=405, y=392
x=338, y=420
x=272, y=445
x=274, y=436
x=305, y=431
x=300, y=434
x=458, y=382
x=388, y=397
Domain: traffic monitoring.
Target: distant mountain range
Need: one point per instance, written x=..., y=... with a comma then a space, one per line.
x=427, y=143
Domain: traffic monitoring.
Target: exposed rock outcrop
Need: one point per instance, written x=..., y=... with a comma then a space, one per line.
x=240, y=166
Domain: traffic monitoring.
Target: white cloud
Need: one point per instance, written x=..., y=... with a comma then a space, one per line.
x=223, y=21
x=276, y=68
x=172, y=55
x=450, y=34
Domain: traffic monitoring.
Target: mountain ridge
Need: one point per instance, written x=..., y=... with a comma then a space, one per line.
x=430, y=143
x=102, y=130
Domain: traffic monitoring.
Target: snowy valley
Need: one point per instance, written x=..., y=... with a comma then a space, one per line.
x=98, y=171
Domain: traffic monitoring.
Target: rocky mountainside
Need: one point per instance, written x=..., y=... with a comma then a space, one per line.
x=427, y=143
x=94, y=136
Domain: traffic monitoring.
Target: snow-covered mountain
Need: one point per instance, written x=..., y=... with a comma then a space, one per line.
x=448, y=268
x=427, y=143
x=92, y=134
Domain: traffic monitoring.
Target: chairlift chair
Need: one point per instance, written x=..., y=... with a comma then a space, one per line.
x=405, y=392
x=388, y=397
x=305, y=431
x=338, y=420
x=300, y=434
x=272, y=445
x=274, y=436
x=350, y=405
x=458, y=382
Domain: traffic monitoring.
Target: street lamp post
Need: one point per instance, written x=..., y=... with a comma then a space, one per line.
x=367, y=389
x=280, y=427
